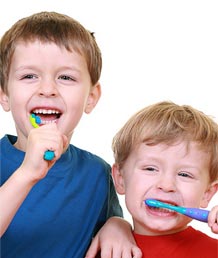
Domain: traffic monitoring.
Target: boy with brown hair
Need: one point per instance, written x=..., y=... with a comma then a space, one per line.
x=50, y=68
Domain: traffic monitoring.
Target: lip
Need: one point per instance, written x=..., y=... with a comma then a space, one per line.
x=46, y=108
x=167, y=201
x=175, y=203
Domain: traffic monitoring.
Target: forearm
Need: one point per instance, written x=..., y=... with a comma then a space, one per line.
x=12, y=194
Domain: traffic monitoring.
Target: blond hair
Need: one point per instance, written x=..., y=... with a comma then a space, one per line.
x=167, y=122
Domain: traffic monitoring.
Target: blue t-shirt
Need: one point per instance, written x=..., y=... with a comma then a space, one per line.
x=64, y=210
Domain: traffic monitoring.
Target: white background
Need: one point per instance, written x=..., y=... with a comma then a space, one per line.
x=152, y=51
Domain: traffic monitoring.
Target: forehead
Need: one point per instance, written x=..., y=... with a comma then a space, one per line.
x=37, y=49
x=181, y=150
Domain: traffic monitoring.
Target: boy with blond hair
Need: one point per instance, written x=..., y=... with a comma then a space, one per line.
x=168, y=152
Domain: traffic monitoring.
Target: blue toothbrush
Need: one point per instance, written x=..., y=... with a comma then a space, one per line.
x=35, y=122
x=194, y=213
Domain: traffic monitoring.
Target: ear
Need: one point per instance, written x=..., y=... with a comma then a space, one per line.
x=93, y=98
x=4, y=101
x=211, y=191
x=118, y=179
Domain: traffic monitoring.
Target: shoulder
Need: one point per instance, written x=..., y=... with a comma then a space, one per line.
x=8, y=139
x=85, y=154
x=86, y=158
x=7, y=148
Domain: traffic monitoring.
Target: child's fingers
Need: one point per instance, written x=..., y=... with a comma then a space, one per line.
x=213, y=219
x=214, y=228
x=137, y=253
x=40, y=140
x=110, y=251
x=94, y=248
x=213, y=216
x=134, y=252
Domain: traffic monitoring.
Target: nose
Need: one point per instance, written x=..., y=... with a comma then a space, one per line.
x=48, y=89
x=166, y=183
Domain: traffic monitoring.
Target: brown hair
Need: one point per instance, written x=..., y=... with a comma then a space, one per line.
x=50, y=27
x=167, y=122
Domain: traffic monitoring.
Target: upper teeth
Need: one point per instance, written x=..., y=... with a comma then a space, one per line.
x=45, y=111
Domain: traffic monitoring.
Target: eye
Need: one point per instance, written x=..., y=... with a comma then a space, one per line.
x=185, y=174
x=150, y=169
x=66, y=78
x=28, y=76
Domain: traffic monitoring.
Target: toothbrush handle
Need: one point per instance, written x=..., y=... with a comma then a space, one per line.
x=48, y=155
x=198, y=214
x=35, y=122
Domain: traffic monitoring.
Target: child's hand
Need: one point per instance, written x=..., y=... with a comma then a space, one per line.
x=213, y=219
x=114, y=239
x=46, y=137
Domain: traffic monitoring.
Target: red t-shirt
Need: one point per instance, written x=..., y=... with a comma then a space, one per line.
x=189, y=243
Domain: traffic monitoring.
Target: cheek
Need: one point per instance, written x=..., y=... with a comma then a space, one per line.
x=17, y=98
x=75, y=101
x=192, y=198
x=135, y=190
x=18, y=105
x=134, y=197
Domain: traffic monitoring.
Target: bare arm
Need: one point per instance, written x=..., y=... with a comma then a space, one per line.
x=14, y=191
x=12, y=194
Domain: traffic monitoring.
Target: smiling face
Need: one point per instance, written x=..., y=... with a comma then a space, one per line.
x=51, y=82
x=173, y=174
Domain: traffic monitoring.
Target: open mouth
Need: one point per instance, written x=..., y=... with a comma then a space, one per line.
x=47, y=115
x=160, y=207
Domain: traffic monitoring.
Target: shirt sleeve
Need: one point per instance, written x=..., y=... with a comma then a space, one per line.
x=114, y=208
